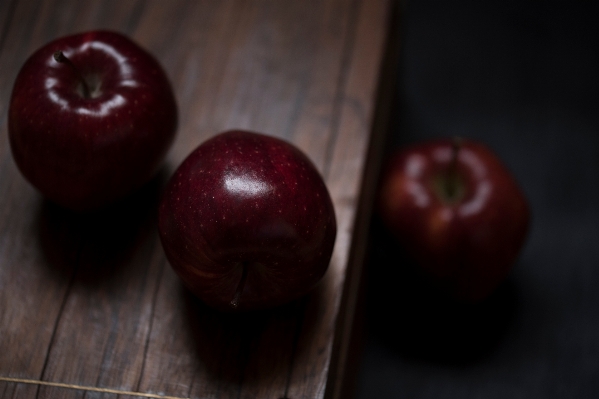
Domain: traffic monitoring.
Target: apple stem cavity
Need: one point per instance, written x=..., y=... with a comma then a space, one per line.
x=452, y=174
x=85, y=90
x=449, y=185
x=239, y=290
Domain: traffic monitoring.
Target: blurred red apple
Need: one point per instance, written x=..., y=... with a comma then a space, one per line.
x=91, y=118
x=247, y=222
x=458, y=213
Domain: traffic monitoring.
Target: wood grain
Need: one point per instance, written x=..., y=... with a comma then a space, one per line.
x=90, y=300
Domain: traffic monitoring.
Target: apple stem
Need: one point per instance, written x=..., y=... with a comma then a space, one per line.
x=60, y=57
x=239, y=290
x=451, y=186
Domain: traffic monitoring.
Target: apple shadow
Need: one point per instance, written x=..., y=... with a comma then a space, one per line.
x=407, y=315
x=246, y=349
x=93, y=247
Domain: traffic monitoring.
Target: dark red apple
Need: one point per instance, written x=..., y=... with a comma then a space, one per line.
x=91, y=118
x=247, y=222
x=458, y=212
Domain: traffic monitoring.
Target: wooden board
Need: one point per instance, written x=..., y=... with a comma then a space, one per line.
x=89, y=307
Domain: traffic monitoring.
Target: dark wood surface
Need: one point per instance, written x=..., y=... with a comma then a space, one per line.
x=89, y=307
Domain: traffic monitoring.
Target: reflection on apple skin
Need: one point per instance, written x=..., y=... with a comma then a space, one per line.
x=246, y=185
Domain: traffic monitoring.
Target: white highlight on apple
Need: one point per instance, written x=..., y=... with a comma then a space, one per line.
x=474, y=163
x=105, y=107
x=419, y=194
x=481, y=196
x=50, y=83
x=415, y=166
x=246, y=186
x=124, y=67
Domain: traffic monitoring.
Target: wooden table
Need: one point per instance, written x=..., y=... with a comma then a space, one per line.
x=89, y=307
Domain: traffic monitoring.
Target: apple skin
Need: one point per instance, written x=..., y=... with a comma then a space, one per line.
x=247, y=222
x=83, y=153
x=467, y=240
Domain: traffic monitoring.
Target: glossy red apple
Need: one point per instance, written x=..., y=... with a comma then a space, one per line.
x=247, y=222
x=91, y=118
x=458, y=212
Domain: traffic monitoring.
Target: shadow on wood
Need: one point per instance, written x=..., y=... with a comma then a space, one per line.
x=247, y=349
x=95, y=245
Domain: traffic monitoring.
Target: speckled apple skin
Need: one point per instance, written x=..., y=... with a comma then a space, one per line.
x=84, y=153
x=244, y=199
x=467, y=247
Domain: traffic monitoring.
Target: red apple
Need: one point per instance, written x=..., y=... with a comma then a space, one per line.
x=458, y=212
x=247, y=222
x=91, y=118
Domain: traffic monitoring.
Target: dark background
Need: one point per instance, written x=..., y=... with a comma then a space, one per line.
x=521, y=76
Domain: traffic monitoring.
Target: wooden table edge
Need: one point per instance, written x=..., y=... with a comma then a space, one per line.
x=349, y=330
